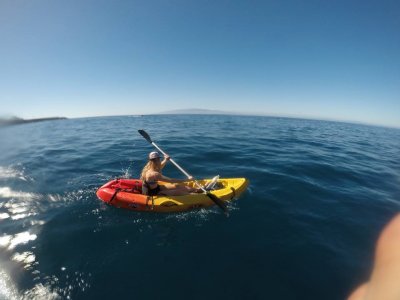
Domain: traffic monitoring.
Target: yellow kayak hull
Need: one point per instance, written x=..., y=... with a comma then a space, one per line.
x=126, y=193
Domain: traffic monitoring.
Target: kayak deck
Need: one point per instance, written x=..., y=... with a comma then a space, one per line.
x=127, y=194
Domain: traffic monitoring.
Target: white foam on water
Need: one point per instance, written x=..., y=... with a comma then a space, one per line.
x=126, y=173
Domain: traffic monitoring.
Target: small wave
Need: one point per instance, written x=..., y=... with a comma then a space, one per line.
x=127, y=172
x=19, y=204
x=10, y=172
x=11, y=241
x=52, y=289
x=7, y=287
x=40, y=291
x=26, y=258
x=202, y=214
x=6, y=192
x=4, y=216
x=21, y=216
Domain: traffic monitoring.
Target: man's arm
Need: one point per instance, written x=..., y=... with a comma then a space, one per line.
x=164, y=162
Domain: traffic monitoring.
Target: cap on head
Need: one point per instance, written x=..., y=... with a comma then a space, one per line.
x=154, y=155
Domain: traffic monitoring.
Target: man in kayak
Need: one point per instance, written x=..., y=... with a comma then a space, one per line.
x=151, y=174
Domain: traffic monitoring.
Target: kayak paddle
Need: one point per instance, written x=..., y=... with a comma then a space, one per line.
x=221, y=204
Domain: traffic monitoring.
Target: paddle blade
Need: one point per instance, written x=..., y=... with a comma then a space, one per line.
x=221, y=204
x=145, y=135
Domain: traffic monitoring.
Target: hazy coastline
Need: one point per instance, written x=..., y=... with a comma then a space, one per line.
x=16, y=120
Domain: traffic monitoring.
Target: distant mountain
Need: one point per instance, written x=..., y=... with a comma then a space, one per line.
x=6, y=121
x=10, y=120
x=196, y=111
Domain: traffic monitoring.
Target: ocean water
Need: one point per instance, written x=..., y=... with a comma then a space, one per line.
x=320, y=192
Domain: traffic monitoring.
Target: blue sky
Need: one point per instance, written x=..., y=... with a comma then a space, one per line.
x=319, y=59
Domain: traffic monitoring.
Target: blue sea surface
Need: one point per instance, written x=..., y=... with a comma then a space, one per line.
x=320, y=192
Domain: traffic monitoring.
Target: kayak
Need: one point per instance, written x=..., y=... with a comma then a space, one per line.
x=127, y=193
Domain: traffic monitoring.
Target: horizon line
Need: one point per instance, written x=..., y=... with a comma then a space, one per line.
x=223, y=113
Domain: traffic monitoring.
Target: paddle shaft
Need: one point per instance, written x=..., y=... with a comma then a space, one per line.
x=179, y=167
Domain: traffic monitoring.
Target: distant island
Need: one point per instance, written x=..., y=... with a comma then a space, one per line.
x=7, y=121
x=197, y=111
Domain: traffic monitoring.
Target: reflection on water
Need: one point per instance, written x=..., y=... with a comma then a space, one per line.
x=11, y=241
x=26, y=258
x=21, y=209
x=19, y=248
x=6, y=192
x=4, y=216
x=7, y=288
x=10, y=172
x=40, y=291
